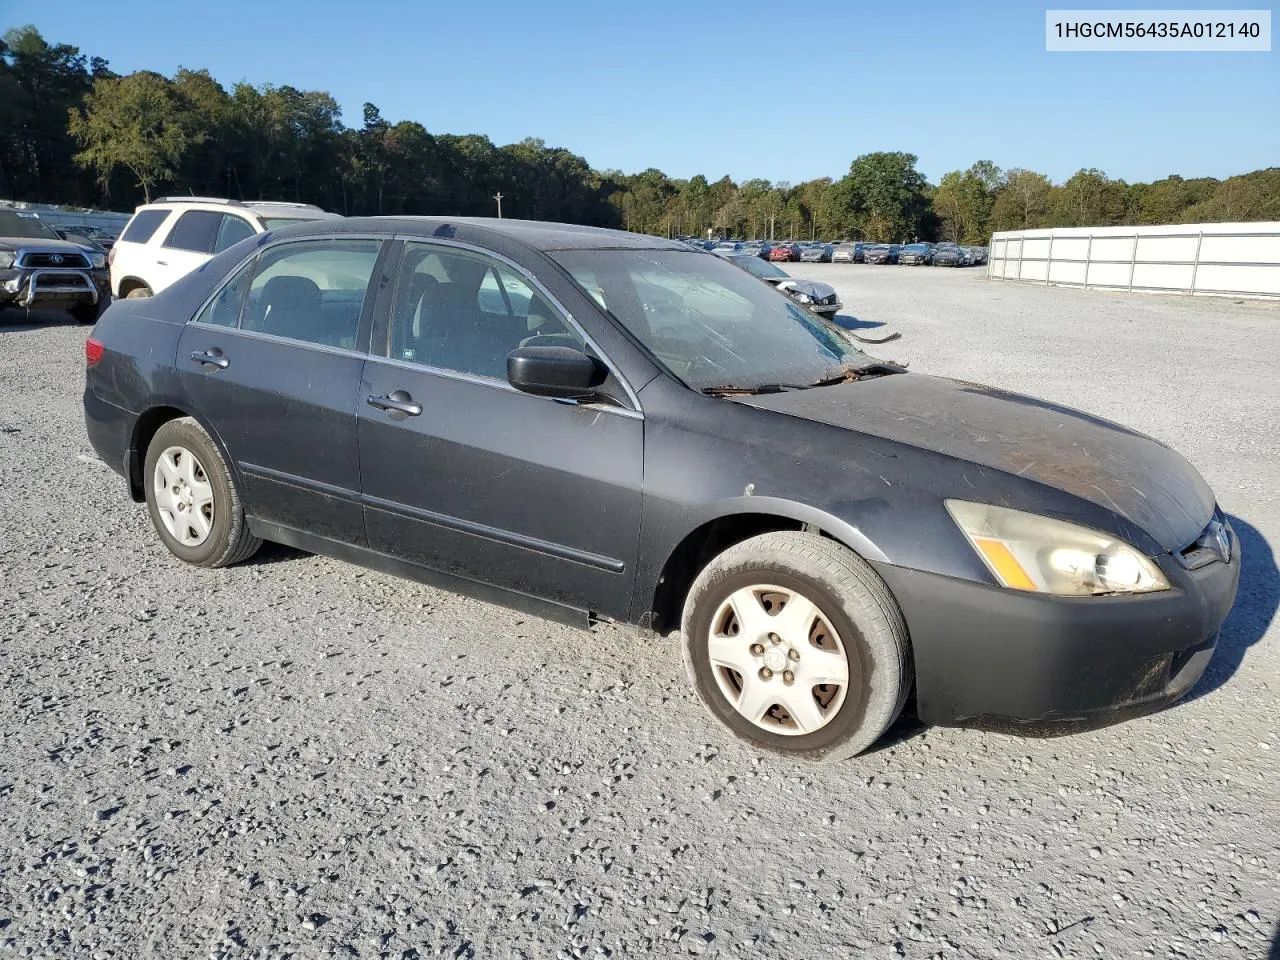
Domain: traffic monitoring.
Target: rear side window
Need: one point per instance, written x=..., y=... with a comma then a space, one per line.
x=312, y=290
x=224, y=309
x=195, y=231
x=232, y=231
x=144, y=225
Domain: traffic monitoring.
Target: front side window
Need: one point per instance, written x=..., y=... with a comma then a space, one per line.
x=463, y=311
x=231, y=231
x=710, y=323
x=194, y=231
x=312, y=291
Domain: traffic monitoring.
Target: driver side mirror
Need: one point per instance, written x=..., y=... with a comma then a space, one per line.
x=561, y=372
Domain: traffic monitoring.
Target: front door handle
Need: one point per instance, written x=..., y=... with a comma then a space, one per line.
x=398, y=402
x=162, y=263
x=214, y=359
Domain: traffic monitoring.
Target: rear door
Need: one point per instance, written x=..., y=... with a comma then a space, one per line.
x=273, y=363
x=477, y=479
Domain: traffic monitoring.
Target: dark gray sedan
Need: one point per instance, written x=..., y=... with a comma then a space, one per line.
x=594, y=425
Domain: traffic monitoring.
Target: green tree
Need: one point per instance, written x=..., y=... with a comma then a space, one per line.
x=135, y=122
x=884, y=195
x=1022, y=201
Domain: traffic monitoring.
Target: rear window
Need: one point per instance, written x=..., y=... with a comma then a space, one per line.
x=195, y=230
x=144, y=225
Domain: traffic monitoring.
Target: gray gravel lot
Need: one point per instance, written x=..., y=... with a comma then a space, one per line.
x=298, y=758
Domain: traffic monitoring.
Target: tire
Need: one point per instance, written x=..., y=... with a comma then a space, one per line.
x=854, y=618
x=88, y=312
x=137, y=293
x=195, y=466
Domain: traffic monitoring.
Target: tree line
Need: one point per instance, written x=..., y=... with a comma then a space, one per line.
x=74, y=132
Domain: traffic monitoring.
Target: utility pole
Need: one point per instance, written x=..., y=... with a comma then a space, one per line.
x=771, y=219
x=498, y=196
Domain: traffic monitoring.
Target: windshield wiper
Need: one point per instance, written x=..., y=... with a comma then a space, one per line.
x=878, y=369
x=731, y=391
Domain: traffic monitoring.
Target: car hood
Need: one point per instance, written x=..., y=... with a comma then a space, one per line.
x=9, y=244
x=1113, y=467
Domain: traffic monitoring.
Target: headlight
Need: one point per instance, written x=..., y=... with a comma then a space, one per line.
x=6, y=260
x=804, y=298
x=97, y=260
x=1024, y=551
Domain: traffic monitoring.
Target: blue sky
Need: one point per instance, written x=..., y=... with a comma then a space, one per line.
x=781, y=90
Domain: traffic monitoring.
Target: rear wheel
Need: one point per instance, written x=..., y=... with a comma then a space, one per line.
x=794, y=643
x=192, y=498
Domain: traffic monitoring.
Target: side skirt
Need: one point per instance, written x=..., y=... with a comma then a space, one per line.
x=364, y=557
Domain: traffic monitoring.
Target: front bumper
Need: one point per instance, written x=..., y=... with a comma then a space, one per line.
x=53, y=286
x=1004, y=659
x=825, y=309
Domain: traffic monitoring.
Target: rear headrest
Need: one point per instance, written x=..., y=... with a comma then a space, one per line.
x=294, y=293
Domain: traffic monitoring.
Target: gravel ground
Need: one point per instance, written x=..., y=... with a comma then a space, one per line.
x=298, y=758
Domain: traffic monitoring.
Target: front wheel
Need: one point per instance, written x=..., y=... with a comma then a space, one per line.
x=794, y=643
x=192, y=498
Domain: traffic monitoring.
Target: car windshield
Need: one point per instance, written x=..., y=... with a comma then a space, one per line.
x=27, y=226
x=760, y=268
x=708, y=322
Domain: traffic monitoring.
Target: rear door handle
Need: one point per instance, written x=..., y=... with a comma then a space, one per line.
x=162, y=263
x=397, y=402
x=215, y=359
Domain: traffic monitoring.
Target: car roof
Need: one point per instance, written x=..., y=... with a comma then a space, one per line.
x=539, y=235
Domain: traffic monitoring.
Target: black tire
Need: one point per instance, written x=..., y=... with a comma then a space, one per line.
x=88, y=312
x=849, y=595
x=229, y=540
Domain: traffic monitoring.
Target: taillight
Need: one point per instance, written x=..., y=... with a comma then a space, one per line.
x=92, y=352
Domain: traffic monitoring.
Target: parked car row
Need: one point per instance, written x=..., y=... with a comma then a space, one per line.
x=923, y=253
x=911, y=254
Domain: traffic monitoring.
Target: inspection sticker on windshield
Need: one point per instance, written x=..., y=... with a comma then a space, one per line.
x=1157, y=30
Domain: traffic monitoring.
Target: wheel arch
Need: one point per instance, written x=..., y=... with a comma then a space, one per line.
x=665, y=597
x=145, y=428
x=130, y=283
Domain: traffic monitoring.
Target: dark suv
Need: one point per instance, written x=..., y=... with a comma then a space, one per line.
x=38, y=269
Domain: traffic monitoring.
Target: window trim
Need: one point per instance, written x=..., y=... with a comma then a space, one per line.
x=382, y=351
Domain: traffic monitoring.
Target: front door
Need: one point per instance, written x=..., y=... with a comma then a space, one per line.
x=464, y=474
x=273, y=365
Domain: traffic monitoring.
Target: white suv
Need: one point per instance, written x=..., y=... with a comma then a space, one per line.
x=169, y=238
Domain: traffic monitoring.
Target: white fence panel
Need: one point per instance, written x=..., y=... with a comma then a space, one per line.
x=1223, y=259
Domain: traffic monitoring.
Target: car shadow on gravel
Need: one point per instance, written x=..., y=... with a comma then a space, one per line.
x=1254, y=610
x=271, y=552
x=1275, y=946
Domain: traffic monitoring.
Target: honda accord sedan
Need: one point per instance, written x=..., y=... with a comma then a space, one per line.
x=594, y=425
